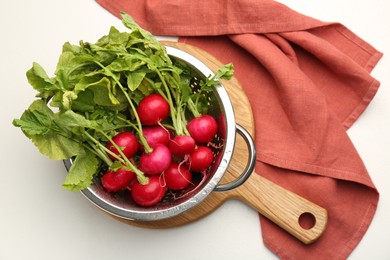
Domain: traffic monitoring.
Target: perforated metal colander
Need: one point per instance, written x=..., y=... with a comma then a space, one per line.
x=121, y=205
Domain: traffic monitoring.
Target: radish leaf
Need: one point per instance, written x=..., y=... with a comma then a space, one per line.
x=81, y=172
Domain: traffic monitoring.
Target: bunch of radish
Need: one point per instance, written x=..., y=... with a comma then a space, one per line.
x=167, y=159
x=125, y=111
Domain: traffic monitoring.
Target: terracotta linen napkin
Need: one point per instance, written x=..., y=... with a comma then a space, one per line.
x=307, y=81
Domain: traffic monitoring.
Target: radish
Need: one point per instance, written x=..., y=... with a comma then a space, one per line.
x=128, y=143
x=148, y=194
x=152, y=109
x=182, y=145
x=117, y=180
x=177, y=176
x=156, y=161
x=203, y=128
x=200, y=159
x=156, y=135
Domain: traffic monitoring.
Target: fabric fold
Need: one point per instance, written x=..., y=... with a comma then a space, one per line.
x=179, y=18
x=307, y=81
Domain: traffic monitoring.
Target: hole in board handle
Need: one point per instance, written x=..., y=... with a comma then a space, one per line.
x=307, y=220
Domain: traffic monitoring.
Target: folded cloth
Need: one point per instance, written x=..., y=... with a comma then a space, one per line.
x=307, y=82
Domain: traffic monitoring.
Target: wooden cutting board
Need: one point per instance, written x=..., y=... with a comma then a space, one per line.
x=279, y=205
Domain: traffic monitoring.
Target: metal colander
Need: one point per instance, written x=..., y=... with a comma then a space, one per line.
x=121, y=205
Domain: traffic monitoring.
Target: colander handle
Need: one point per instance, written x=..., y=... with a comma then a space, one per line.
x=250, y=164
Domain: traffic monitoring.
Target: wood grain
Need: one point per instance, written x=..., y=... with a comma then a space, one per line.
x=279, y=205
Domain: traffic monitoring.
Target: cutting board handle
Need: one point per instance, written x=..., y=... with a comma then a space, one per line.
x=284, y=208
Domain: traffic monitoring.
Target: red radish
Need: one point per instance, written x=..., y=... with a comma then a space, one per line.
x=177, y=176
x=117, y=180
x=128, y=143
x=181, y=145
x=152, y=109
x=156, y=161
x=148, y=194
x=200, y=159
x=203, y=128
x=156, y=135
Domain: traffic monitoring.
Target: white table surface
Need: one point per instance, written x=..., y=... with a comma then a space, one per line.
x=40, y=220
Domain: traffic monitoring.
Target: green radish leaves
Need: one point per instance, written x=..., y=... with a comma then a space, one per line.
x=46, y=131
x=81, y=173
